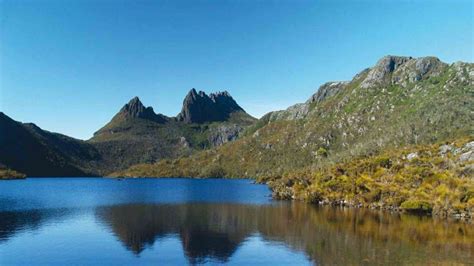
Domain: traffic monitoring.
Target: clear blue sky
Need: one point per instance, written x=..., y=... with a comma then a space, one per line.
x=69, y=66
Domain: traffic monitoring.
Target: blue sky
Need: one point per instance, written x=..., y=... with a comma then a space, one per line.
x=69, y=66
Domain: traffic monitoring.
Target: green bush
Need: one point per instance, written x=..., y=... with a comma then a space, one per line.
x=384, y=162
x=322, y=152
x=416, y=206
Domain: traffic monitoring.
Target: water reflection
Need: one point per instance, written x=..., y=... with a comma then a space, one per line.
x=327, y=235
x=13, y=222
x=206, y=230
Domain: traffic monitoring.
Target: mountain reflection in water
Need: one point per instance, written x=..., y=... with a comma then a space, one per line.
x=205, y=230
x=326, y=235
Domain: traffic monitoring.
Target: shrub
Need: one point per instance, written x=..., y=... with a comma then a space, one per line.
x=384, y=162
x=416, y=206
x=322, y=152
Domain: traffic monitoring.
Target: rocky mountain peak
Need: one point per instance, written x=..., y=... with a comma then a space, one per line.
x=220, y=94
x=402, y=70
x=135, y=109
x=198, y=107
x=225, y=102
x=382, y=70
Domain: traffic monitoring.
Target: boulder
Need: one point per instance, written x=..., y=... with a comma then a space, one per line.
x=412, y=156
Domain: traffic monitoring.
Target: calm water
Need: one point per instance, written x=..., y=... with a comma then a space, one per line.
x=185, y=221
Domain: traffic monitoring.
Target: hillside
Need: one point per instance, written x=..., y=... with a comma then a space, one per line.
x=400, y=101
x=28, y=149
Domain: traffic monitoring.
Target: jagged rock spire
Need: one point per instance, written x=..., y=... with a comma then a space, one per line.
x=198, y=107
x=135, y=109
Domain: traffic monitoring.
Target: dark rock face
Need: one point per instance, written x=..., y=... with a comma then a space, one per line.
x=198, y=107
x=135, y=109
x=225, y=102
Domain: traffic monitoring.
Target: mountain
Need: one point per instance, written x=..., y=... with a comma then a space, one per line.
x=400, y=101
x=35, y=152
x=133, y=111
x=136, y=134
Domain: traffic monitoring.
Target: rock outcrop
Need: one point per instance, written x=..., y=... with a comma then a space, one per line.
x=301, y=110
x=327, y=90
x=402, y=71
x=225, y=133
x=296, y=111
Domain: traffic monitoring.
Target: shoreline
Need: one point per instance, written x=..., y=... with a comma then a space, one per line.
x=463, y=217
x=278, y=196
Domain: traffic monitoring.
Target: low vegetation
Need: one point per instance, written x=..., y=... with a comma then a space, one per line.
x=7, y=174
x=437, y=179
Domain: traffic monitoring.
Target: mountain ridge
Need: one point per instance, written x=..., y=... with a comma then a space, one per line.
x=136, y=134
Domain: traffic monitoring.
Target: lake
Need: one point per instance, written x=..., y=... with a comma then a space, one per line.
x=208, y=221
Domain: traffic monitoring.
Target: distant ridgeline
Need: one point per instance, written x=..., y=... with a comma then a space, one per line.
x=399, y=102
